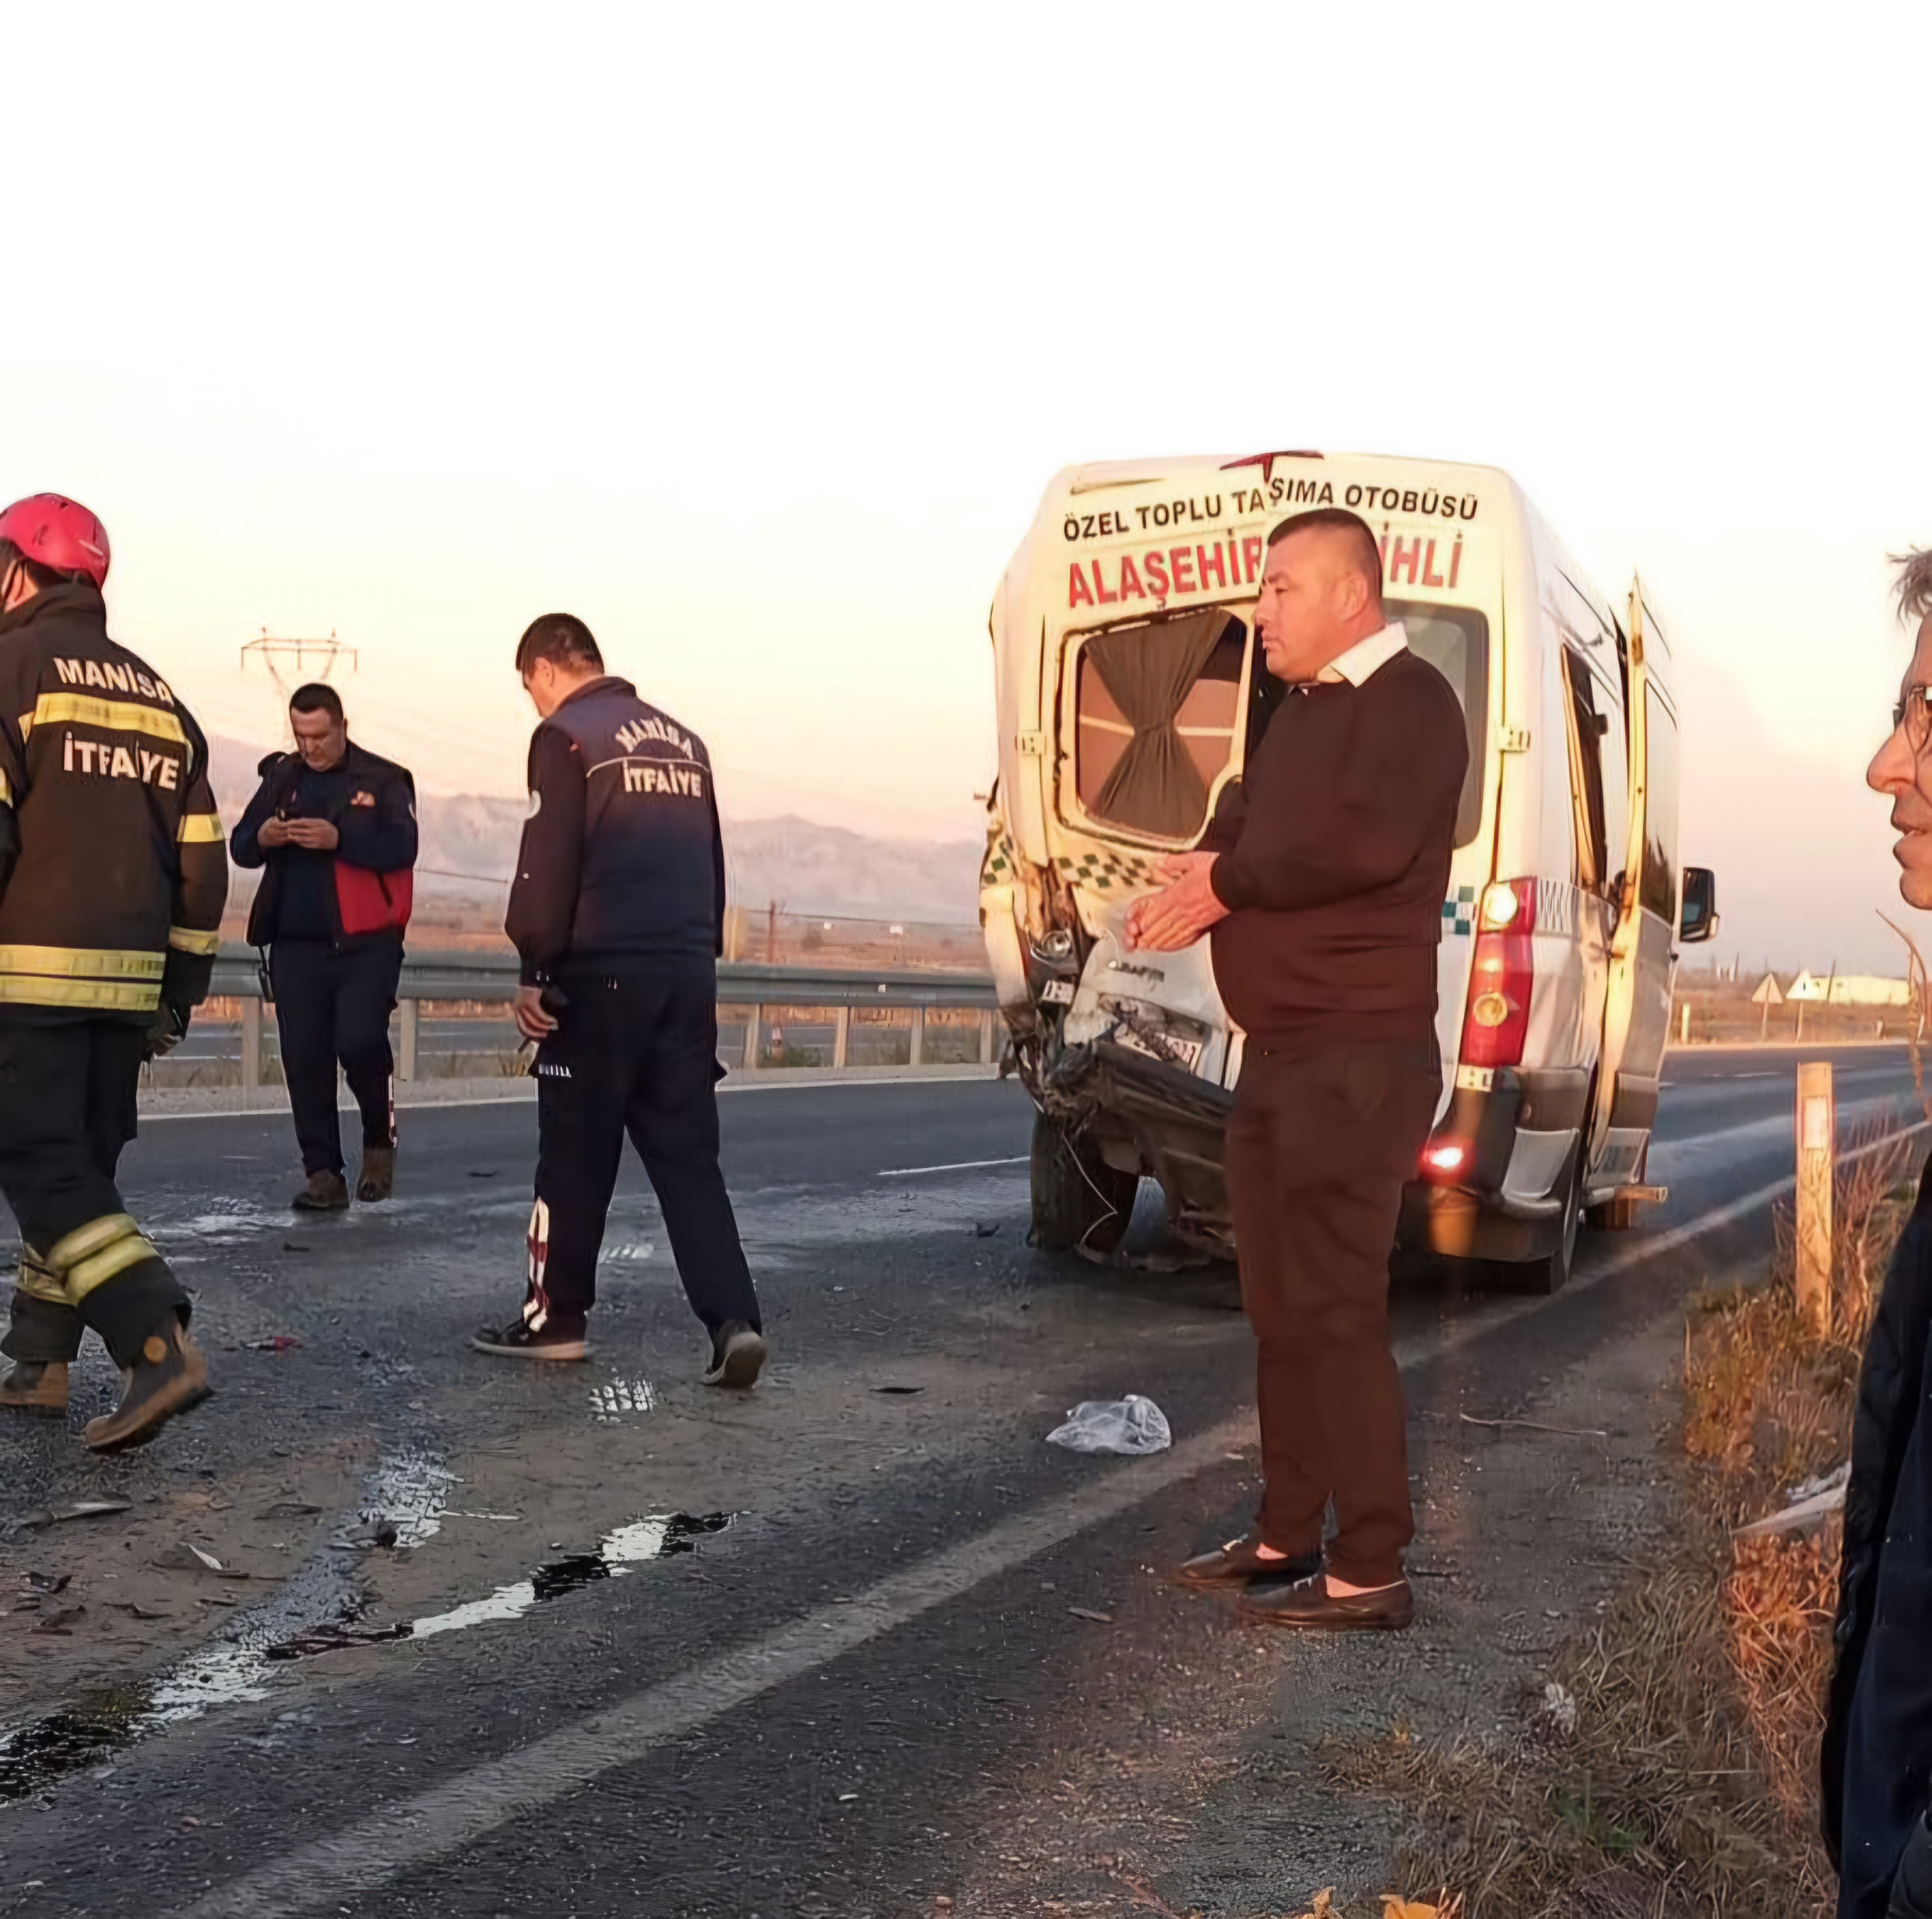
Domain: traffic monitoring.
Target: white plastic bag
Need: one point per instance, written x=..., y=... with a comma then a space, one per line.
x=1132, y=1425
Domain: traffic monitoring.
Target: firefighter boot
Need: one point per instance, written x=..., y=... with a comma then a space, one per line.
x=38, y=1387
x=170, y=1377
x=379, y=1172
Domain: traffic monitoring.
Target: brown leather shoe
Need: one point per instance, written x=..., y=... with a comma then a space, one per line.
x=170, y=1377
x=325, y=1192
x=378, y=1179
x=1239, y=1564
x=37, y=1387
x=1311, y=1607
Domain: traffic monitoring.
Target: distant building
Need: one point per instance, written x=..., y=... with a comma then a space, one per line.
x=1864, y=989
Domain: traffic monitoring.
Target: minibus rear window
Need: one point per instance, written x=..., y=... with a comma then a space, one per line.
x=1455, y=640
x=1157, y=706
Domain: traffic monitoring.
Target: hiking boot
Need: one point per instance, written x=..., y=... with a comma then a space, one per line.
x=517, y=1341
x=325, y=1192
x=36, y=1386
x=737, y=1355
x=379, y=1174
x=170, y=1377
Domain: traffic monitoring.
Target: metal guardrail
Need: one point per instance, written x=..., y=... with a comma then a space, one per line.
x=491, y=977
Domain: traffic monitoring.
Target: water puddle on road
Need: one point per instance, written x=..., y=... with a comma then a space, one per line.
x=316, y=1610
x=664, y=1535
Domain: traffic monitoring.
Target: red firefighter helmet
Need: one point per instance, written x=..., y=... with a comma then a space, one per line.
x=57, y=532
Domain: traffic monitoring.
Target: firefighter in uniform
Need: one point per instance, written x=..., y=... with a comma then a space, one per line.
x=113, y=879
x=617, y=912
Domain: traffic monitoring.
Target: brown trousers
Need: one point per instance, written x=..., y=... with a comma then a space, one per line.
x=1320, y=1144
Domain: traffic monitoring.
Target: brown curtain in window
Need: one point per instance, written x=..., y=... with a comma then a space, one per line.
x=1155, y=787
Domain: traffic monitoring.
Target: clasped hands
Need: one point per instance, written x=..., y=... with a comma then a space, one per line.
x=316, y=836
x=1184, y=909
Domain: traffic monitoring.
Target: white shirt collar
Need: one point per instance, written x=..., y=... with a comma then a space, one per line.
x=1367, y=656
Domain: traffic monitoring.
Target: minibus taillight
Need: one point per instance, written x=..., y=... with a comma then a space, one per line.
x=1496, y=1025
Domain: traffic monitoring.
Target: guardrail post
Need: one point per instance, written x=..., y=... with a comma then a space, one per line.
x=251, y=1043
x=754, y=1029
x=916, y=1040
x=841, y=1036
x=1817, y=1154
x=406, y=1068
x=1686, y=1039
x=988, y=1022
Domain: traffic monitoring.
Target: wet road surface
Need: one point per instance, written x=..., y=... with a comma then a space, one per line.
x=596, y=1641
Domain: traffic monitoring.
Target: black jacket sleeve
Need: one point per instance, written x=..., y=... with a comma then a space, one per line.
x=381, y=837
x=200, y=885
x=244, y=845
x=543, y=896
x=717, y=869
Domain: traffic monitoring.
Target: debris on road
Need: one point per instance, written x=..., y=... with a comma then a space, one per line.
x=80, y=1508
x=898, y=1389
x=1530, y=1425
x=1134, y=1424
x=1559, y=1705
x=981, y=1230
x=61, y=1623
x=188, y=1557
x=1087, y=1612
x=281, y=1342
x=1811, y=1509
x=335, y=1637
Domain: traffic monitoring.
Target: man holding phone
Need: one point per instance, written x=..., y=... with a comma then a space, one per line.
x=336, y=828
x=617, y=913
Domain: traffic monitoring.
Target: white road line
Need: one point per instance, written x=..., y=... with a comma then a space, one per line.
x=409, y=1832
x=955, y=1166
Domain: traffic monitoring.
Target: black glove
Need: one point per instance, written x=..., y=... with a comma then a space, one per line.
x=1912, y=1885
x=167, y=1030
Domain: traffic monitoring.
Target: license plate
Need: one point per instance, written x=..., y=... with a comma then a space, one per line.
x=1057, y=993
x=1172, y=1052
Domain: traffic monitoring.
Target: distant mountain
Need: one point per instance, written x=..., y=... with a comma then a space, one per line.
x=797, y=863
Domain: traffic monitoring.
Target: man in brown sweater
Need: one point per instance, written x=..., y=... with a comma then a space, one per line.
x=1322, y=878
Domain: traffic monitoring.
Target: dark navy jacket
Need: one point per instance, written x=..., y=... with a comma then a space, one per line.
x=1878, y=1737
x=372, y=802
x=622, y=868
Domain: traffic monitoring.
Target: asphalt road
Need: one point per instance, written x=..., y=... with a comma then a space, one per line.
x=809, y=1652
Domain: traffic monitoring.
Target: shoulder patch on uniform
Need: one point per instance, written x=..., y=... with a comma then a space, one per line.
x=535, y=805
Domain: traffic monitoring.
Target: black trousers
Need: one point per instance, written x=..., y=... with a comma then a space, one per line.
x=1320, y=1144
x=67, y=1108
x=333, y=1006
x=639, y=1056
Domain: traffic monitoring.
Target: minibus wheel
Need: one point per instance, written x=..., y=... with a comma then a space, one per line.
x=1079, y=1202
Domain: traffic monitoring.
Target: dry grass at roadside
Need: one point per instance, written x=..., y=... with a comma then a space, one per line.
x=1670, y=1767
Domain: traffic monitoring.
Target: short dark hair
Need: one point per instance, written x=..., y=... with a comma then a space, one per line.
x=315, y=697
x=562, y=638
x=1340, y=519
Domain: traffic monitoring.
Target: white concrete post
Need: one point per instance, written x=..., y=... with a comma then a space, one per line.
x=251, y=1043
x=1817, y=1156
x=915, y=1042
x=842, y=1036
x=406, y=1067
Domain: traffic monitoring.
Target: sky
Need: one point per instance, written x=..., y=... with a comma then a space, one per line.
x=754, y=334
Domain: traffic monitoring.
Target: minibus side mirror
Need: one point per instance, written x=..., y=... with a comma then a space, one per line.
x=1700, y=920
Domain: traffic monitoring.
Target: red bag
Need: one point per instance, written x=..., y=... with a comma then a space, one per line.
x=373, y=902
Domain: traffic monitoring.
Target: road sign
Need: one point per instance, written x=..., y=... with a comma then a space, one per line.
x=1767, y=994
x=1805, y=988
